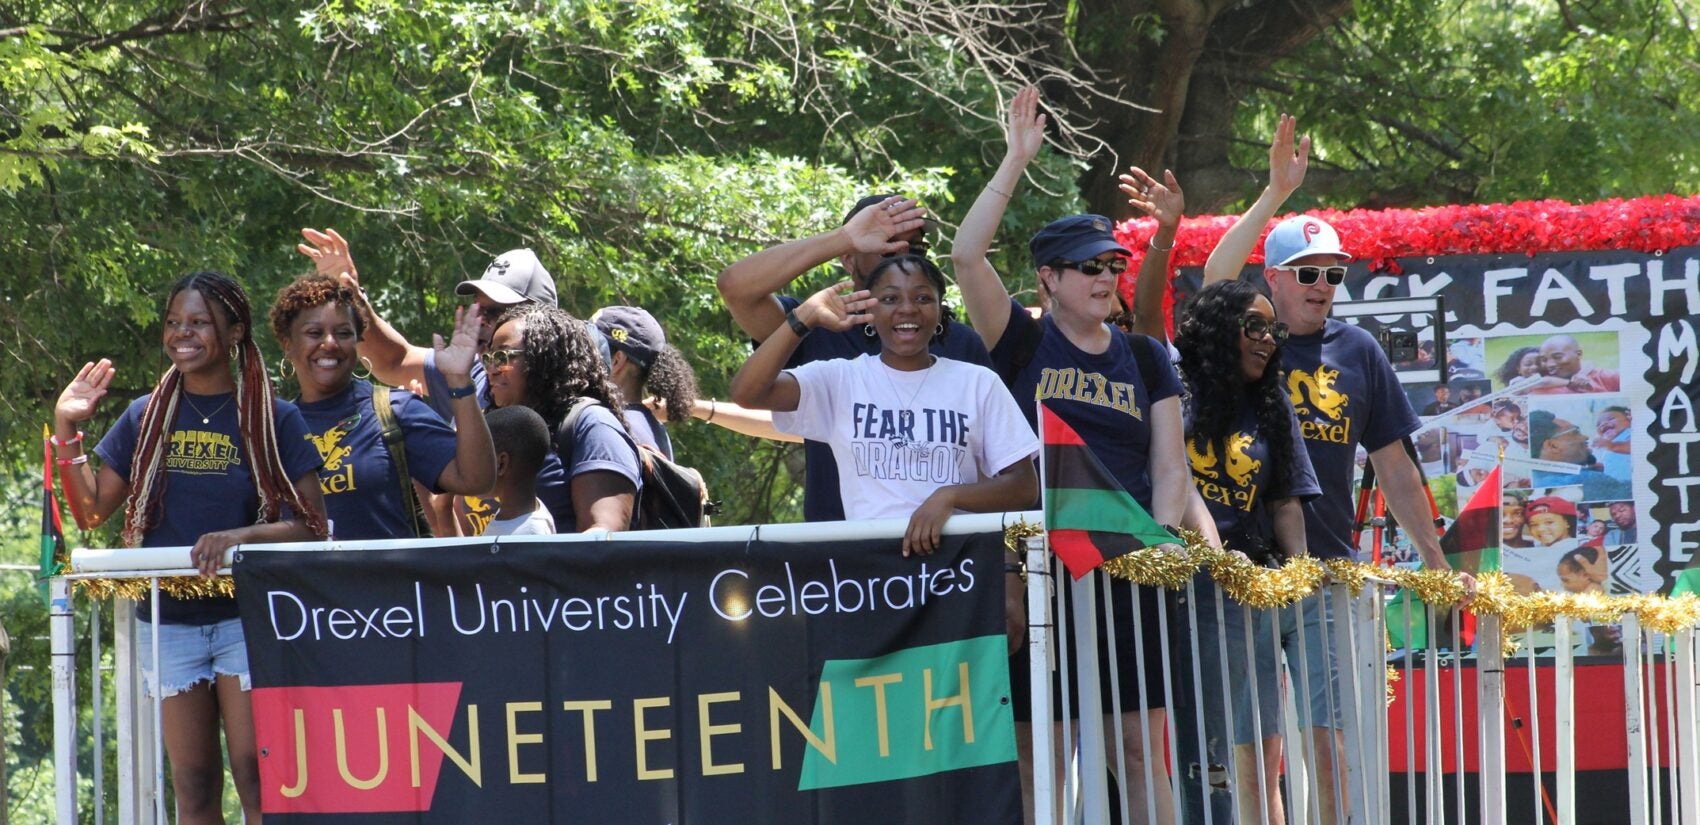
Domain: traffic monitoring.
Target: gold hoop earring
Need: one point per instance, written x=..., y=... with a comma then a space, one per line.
x=368, y=365
x=285, y=369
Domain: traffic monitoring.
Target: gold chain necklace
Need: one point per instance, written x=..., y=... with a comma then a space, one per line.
x=916, y=447
x=206, y=418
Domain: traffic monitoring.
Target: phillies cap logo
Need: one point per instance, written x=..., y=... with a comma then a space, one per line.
x=1311, y=230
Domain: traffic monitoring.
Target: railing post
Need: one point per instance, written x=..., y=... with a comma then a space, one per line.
x=1633, y=724
x=1039, y=641
x=1688, y=755
x=1564, y=713
x=62, y=630
x=135, y=732
x=1490, y=701
x=1094, y=784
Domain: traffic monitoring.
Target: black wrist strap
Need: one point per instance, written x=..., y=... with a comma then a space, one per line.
x=797, y=326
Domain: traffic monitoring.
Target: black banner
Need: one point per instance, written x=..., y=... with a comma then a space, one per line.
x=632, y=682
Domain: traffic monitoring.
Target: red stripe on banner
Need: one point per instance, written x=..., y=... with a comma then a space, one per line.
x=306, y=767
x=1077, y=550
x=1056, y=430
x=1601, y=743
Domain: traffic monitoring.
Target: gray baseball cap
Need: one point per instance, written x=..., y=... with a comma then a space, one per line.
x=516, y=276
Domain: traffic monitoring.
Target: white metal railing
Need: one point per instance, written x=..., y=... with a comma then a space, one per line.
x=1071, y=763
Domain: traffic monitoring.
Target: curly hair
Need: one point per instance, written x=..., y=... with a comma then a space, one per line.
x=312, y=292
x=917, y=265
x=672, y=379
x=1208, y=337
x=142, y=509
x=1508, y=371
x=562, y=362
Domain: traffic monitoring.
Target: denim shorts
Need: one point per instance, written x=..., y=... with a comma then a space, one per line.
x=190, y=654
x=1307, y=628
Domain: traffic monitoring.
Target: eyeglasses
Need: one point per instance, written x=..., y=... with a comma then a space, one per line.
x=1256, y=326
x=498, y=358
x=1094, y=267
x=1122, y=321
x=1307, y=275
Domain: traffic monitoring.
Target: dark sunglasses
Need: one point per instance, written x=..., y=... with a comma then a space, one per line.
x=1255, y=327
x=498, y=358
x=1094, y=267
x=1307, y=275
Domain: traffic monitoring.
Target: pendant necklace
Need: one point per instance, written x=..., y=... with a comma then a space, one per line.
x=206, y=418
x=907, y=415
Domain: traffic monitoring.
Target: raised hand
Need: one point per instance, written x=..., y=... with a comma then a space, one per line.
x=837, y=308
x=873, y=228
x=78, y=401
x=1163, y=201
x=330, y=254
x=455, y=358
x=1026, y=129
x=1286, y=164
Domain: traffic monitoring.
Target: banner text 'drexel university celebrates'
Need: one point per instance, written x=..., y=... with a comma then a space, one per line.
x=633, y=682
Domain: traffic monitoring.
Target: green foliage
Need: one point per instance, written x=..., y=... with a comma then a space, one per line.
x=1480, y=102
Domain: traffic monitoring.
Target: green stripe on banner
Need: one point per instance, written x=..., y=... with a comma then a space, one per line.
x=915, y=712
x=1101, y=510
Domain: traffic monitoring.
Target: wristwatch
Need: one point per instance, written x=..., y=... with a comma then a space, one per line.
x=462, y=392
x=797, y=324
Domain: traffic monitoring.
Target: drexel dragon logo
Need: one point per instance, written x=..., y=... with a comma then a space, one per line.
x=1320, y=407
x=1240, y=466
x=1315, y=390
x=331, y=449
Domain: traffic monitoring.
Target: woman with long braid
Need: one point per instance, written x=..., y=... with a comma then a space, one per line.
x=208, y=460
x=541, y=357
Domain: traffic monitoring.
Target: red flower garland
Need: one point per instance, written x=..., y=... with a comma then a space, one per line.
x=1650, y=224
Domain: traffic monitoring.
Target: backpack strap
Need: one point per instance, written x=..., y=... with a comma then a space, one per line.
x=564, y=432
x=1022, y=348
x=1144, y=354
x=396, y=446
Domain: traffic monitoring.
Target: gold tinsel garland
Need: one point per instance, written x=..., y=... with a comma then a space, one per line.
x=1262, y=587
x=1247, y=583
x=182, y=587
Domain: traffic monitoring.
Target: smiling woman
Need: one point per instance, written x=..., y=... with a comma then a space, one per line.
x=192, y=463
x=541, y=357
x=915, y=435
x=375, y=442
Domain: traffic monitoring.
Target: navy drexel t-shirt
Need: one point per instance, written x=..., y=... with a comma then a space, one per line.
x=1238, y=479
x=1101, y=395
x=363, y=497
x=209, y=482
x=1344, y=393
x=599, y=442
x=820, y=473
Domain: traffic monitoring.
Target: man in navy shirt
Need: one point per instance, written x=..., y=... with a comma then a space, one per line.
x=1345, y=395
x=877, y=226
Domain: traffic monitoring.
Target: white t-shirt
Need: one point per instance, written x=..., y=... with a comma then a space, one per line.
x=898, y=436
x=538, y=522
